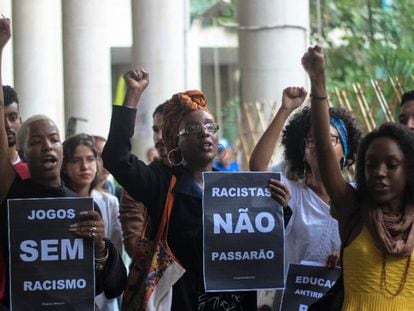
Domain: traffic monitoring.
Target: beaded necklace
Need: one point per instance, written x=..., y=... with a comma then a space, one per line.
x=403, y=279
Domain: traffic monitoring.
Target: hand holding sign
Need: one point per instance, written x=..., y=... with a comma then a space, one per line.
x=279, y=191
x=43, y=253
x=90, y=225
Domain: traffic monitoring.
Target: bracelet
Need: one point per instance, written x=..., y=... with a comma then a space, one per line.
x=319, y=97
x=100, y=262
x=104, y=258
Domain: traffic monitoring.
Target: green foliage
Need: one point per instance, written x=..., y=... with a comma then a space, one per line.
x=226, y=11
x=199, y=6
x=229, y=117
x=372, y=41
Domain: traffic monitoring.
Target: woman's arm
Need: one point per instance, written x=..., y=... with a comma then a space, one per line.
x=112, y=278
x=7, y=173
x=339, y=191
x=292, y=98
x=133, y=175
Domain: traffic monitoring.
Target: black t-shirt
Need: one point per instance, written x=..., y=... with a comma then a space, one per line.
x=111, y=280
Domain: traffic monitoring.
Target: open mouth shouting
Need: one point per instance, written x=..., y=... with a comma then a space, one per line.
x=49, y=161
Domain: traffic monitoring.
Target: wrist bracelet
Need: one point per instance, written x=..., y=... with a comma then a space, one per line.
x=100, y=262
x=104, y=258
x=319, y=97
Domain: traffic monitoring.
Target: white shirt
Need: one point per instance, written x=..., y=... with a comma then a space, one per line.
x=311, y=234
x=109, y=206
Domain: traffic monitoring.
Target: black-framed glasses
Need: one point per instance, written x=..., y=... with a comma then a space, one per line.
x=310, y=141
x=194, y=128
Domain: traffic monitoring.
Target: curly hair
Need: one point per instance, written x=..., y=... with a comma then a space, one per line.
x=69, y=148
x=175, y=109
x=404, y=139
x=295, y=133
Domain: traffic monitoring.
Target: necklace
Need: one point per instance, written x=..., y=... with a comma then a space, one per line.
x=403, y=279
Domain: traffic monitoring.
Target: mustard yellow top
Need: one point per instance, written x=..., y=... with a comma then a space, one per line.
x=364, y=289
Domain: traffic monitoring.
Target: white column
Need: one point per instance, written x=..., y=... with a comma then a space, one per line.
x=37, y=55
x=159, y=48
x=7, y=65
x=272, y=39
x=87, y=67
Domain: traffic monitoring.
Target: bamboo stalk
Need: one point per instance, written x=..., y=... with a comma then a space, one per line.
x=260, y=114
x=382, y=100
x=362, y=108
x=395, y=85
x=365, y=102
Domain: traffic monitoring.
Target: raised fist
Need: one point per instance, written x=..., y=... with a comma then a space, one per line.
x=4, y=31
x=314, y=63
x=136, y=80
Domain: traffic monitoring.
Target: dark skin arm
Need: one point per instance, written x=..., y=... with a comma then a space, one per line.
x=7, y=173
x=336, y=186
x=136, y=81
x=90, y=225
x=292, y=98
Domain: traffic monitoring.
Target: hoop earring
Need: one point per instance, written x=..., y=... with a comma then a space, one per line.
x=182, y=162
x=223, y=151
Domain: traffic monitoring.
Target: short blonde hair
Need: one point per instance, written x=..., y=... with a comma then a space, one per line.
x=23, y=133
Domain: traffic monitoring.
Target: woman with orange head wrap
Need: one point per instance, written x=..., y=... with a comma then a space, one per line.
x=176, y=108
x=190, y=135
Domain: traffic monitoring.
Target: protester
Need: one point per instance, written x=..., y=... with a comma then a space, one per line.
x=191, y=141
x=13, y=122
x=225, y=158
x=38, y=143
x=311, y=233
x=376, y=218
x=406, y=115
x=80, y=174
x=105, y=180
x=157, y=129
x=134, y=215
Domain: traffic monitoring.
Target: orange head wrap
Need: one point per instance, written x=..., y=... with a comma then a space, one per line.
x=176, y=108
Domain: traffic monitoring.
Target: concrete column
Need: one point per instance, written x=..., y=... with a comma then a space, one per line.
x=7, y=65
x=273, y=36
x=37, y=56
x=87, y=66
x=159, y=29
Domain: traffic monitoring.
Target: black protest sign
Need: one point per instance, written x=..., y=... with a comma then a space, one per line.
x=50, y=267
x=305, y=285
x=242, y=232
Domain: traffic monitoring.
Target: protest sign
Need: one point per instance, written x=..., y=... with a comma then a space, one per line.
x=305, y=285
x=242, y=232
x=50, y=267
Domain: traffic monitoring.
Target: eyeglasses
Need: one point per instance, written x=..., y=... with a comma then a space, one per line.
x=194, y=128
x=310, y=141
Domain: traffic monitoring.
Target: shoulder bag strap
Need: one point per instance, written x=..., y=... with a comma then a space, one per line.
x=163, y=227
